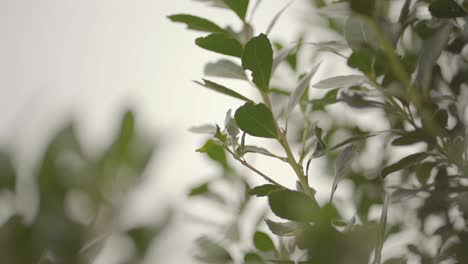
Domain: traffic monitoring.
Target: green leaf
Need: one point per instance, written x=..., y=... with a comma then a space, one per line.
x=363, y=7
x=263, y=151
x=7, y=172
x=411, y=137
x=446, y=9
x=256, y=120
x=283, y=229
x=277, y=16
x=238, y=6
x=342, y=166
x=258, y=57
x=429, y=54
x=210, y=251
x=404, y=163
x=350, y=140
x=331, y=97
x=341, y=81
x=201, y=189
x=220, y=43
x=294, y=206
x=225, y=69
x=280, y=57
x=300, y=89
x=215, y=152
x=197, y=23
x=263, y=242
x=253, y=258
x=360, y=35
x=222, y=89
x=214, y=3
x=264, y=190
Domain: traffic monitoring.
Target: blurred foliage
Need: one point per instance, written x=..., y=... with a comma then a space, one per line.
x=80, y=199
x=410, y=65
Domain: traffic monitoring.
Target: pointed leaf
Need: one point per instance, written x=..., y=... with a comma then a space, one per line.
x=404, y=163
x=446, y=9
x=220, y=43
x=238, y=6
x=225, y=69
x=342, y=166
x=203, y=129
x=258, y=57
x=283, y=229
x=264, y=190
x=256, y=120
x=277, y=16
x=197, y=23
x=280, y=57
x=300, y=89
x=341, y=81
x=222, y=89
x=263, y=242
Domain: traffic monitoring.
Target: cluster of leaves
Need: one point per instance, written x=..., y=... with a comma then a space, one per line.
x=411, y=68
x=80, y=200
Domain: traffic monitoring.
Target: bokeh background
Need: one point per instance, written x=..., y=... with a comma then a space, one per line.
x=89, y=61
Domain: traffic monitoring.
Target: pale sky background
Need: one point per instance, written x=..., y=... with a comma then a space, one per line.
x=88, y=59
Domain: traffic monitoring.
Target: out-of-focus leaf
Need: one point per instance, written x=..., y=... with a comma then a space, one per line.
x=238, y=6
x=342, y=166
x=263, y=151
x=197, y=23
x=294, y=206
x=253, y=258
x=200, y=189
x=429, y=54
x=258, y=57
x=300, y=89
x=220, y=43
x=7, y=172
x=363, y=7
x=215, y=3
x=283, y=229
x=280, y=57
x=263, y=242
x=222, y=89
x=404, y=163
x=264, y=190
x=331, y=97
x=359, y=34
x=225, y=69
x=350, y=140
x=340, y=82
x=446, y=9
x=211, y=252
x=256, y=120
x=277, y=16
x=423, y=171
x=411, y=137
x=203, y=129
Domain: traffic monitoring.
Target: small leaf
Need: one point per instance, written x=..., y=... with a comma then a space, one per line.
x=283, y=229
x=238, y=6
x=411, y=137
x=200, y=189
x=225, y=69
x=211, y=252
x=264, y=190
x=256, y=120
x=263, y=151
x=215, y=3
x=253, y=258
x=277, y=16
x=404, y=163
x=423, y=172
x=280, y=57
x=220, y=43
x=197, y=23
x=359, y=34
x=203, y=129
x=258, y=57
x=299, y=91
x=331, y=97
x=294, y=206
x=263, y=242
x=341, y=81
x=222, y=89
x=7, y=172
x=446, y=9
x=342, y=166
x=350, y=140
x=215, y=152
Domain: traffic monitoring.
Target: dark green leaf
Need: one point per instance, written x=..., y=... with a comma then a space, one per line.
x=256, y=120
x=222, y=89
x=211, y=252
x=264, y=190
x=253, y=258
x=7, y=172
x=411, y=137
x=294, y=206
x=363, y=7
x=446, y=9
x=238, y=6
x=197, y=23
x=220, y=43
x=423, y=172
x=404, y=163
x=263, y=242
x=258, y=57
